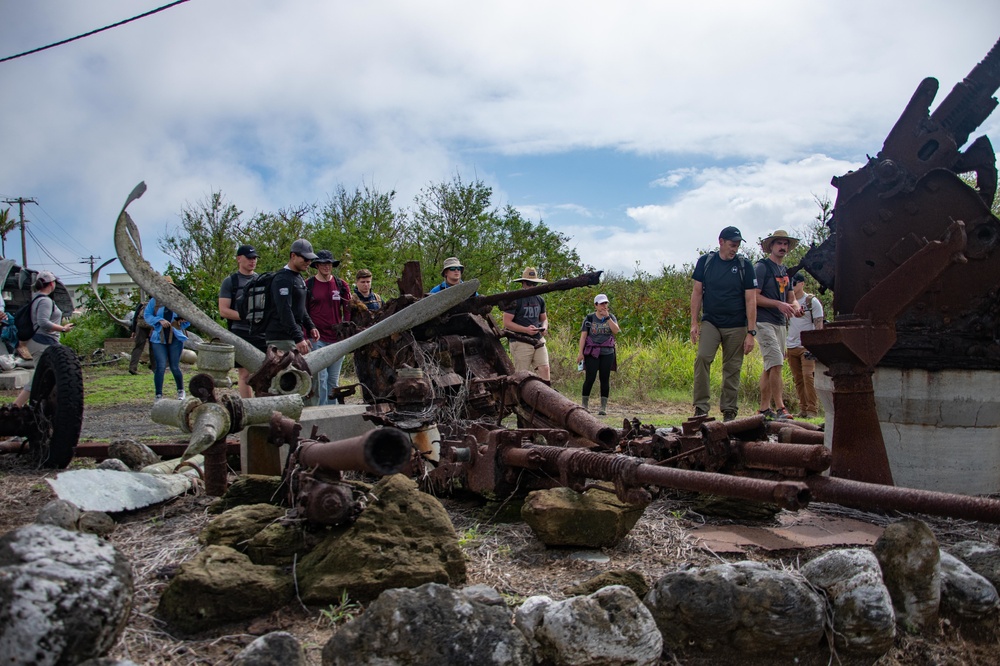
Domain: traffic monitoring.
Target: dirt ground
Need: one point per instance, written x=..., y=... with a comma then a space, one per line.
x=505, y=556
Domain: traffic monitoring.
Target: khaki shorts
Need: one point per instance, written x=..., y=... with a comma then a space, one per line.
x=771, y=339
x=527, y=358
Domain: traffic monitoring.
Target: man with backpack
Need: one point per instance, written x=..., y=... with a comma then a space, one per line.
x=800, y=361
x=286, y=303
x=230, y=294
x=775, y=304
x=328, y=302
x=724, y=294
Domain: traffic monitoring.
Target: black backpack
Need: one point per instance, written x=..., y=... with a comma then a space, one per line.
x=22, y=319
x=254, y=305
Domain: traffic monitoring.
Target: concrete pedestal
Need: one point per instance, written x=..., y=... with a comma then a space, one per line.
x=941, y=428
x=13, y=379
x=257, y=456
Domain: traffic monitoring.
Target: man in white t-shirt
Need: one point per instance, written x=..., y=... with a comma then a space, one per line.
x=800, y=361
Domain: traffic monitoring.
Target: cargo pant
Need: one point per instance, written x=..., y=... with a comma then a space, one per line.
x=709, y=341
x=804, y=374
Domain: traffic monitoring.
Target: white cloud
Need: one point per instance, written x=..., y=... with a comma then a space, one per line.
x=277, y=103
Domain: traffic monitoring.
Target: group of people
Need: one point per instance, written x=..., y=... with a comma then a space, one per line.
x=734, y=304
x=527, y=319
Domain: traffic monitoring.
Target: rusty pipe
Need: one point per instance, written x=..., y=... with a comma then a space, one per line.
x=631, y=472
x=383, y=451
x=563, y=412
x=800, y=436
x=810, y=457
x=875, y=496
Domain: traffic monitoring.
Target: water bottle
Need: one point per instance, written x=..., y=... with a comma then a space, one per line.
x=579, y=366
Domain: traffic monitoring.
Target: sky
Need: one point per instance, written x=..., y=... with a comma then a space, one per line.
x=637, y=129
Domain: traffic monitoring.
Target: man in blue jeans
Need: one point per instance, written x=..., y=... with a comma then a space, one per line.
x=328, y=301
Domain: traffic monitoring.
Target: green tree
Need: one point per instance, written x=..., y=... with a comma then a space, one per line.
x=7, y=224
x=494, y=243
x=363, y=231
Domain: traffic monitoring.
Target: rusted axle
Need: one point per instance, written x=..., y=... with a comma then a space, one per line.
x=628, y=472
x=874, y=496
x=585, y=280
x=382, y=451
x=809, y=457
x=535, y=394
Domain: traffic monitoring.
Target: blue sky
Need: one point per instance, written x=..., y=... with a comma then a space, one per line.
x=637, y=129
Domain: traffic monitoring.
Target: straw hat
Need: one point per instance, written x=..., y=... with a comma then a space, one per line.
x=780, y=234
x=530, y=275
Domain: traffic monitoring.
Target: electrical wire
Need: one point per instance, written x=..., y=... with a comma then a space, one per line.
x=94, y=32
x=63, y=229
x=66, y=270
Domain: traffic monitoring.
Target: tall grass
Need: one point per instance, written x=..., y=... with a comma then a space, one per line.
x=657, y=369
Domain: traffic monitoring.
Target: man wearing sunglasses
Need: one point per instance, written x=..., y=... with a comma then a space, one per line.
x=452, y=273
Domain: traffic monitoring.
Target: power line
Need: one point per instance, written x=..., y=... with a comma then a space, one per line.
x=94, y=32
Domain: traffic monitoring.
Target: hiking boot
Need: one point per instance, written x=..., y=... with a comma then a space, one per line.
x=132, y=372
x=768, y=414
x=729, y=415
x=782, y=414
x=698, y=411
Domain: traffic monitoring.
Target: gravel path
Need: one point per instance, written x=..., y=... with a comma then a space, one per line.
x=129, y=421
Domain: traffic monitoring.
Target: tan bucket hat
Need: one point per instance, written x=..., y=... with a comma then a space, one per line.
x=530, y=274
x=451, y=262
x=779, y=234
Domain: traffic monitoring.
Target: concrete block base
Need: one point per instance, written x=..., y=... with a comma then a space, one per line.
x=13, y=379
x=257, y=456
x=940, y=428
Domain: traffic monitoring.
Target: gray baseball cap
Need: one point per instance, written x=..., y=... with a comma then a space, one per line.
x=304, y=248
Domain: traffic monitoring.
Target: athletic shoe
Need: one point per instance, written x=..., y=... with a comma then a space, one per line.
x=158, y=398
x=698, y=411
x=181, y=395
x=768, y=414
x=782, y=414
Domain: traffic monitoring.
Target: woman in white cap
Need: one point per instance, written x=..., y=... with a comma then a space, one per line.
x=597, y=349
x=46, y=321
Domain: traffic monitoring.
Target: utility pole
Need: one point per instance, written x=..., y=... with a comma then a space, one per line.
x=90, y=260
x=20, y=201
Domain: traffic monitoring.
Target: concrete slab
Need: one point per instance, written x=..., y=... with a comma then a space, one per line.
x=13, y=379
x=798, y=531
x=257, y=456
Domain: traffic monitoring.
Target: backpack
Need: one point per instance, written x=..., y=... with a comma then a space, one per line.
x=809, y=307
x=740, y=265
x=254, y=305
x=23, y=320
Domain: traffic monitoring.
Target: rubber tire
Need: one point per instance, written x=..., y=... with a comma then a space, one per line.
x=57, y=396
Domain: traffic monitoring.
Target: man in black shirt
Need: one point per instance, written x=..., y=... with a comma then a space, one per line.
x=725, y=288
x=287, y=303
x=229, y=297
x=775, y=303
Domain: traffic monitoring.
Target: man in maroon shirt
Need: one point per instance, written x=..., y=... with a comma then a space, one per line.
x=328, y=302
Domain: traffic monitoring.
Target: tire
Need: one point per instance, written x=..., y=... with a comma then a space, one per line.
x=57, y=401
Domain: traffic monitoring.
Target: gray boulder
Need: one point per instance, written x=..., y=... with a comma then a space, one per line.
x=564, y=517
x=59, y=513
x=863, y=619
x=404, y=538
x=251, y=489
x=910, y=558
x=113, y=464
x=744, y=607
x=64, y=596
x=610, y=627
x=221, y=585
x=983, y=558
x=631, y=579
x=965, y=593
x=277, y=647
x=134, y=454
x=432, y=624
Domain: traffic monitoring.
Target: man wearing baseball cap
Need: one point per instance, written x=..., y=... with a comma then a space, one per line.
x=287, y=300
x=724, y=293
x=527, y=318
x=229, y=295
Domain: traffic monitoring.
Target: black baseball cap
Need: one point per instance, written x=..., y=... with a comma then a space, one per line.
x=247, y=251
x=731, y=234
x=798, y=277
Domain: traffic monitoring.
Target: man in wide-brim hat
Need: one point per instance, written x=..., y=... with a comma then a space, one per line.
x=451, y=272
x=775, y=304
x=527, y=317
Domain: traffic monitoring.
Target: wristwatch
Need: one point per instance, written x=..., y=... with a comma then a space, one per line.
x=753, y=332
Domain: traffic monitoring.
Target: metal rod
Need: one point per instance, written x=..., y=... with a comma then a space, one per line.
x=383, y=451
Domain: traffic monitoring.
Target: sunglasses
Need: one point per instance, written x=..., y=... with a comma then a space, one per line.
x=455, y=269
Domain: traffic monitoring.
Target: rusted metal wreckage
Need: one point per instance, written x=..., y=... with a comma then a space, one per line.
x=913, y=258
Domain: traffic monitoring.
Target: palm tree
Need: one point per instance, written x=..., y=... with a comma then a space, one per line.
x=6, y=226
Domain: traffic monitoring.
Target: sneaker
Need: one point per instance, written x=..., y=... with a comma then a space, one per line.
x=132, y=372
x=22, y=351
x=698, y=411
x=782, y=414
x=729, y=415
x=181, y=395
x=158, y=398
x=768, y=414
